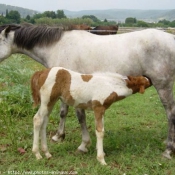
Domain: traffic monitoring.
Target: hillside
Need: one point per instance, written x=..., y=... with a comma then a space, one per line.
x=121, y=15
x=23, y=12
x=110, y=14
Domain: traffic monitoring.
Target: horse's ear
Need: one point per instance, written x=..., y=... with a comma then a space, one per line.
x=6, y=31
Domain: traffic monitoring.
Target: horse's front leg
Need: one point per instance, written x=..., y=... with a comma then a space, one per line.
x=85, y=134
x=166, y=96
x=60, y=135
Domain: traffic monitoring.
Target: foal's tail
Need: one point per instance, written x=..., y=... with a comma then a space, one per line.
x=35, y=88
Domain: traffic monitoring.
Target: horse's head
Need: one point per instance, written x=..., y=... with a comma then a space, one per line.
x=6, y=40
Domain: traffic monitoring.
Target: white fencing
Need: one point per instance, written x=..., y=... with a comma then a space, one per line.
x=132, y=29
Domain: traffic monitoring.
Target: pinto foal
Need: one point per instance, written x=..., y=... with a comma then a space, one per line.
x=88, y=91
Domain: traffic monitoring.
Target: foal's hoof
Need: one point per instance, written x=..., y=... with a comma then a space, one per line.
x=102, y=161
x=56, y=138
x=48, y=155
x=38, y=156
x=166, y=154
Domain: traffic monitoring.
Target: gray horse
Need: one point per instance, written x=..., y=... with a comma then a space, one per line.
x=149, y=52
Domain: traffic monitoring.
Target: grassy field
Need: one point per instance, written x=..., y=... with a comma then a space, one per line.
x=135, y=129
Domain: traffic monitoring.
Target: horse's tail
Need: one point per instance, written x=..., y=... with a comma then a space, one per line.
x=35, y=88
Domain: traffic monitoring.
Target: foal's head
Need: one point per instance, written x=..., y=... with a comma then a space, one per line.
x=138, y=84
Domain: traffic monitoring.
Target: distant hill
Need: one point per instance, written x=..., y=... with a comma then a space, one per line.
x=111, y=14
x=23, y=12
x=121, y=15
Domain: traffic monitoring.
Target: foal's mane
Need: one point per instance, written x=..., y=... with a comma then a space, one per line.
x=28, y=36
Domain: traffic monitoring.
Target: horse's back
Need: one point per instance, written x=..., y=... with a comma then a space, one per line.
x=134, y=53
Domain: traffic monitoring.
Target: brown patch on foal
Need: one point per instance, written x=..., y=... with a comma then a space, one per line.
x=99, y=111
x=37, y=81
x=61, y=88
x=86, y=77
x=87, y=105
x=113, y=97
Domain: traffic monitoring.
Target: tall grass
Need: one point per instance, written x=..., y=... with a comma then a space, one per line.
x=135, y=129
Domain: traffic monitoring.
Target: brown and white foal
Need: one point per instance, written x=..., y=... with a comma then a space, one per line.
x=88, y=91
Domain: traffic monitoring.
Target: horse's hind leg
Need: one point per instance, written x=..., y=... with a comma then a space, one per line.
x=85, y=134
x=166, y=96
x=60, y=135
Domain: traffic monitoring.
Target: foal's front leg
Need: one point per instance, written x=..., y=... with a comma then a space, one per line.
x=85, y=134
x=99, y=113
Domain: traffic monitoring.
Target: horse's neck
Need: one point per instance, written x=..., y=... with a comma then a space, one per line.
x=38, y=54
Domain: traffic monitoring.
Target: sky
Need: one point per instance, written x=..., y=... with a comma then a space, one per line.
x=77, y=5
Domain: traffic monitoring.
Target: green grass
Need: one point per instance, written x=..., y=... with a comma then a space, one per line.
x=135, y=129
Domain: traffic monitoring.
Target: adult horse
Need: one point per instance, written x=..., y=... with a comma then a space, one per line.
x=149, y=52
x=105, y=30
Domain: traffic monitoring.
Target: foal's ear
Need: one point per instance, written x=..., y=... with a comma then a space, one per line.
x=6, y=31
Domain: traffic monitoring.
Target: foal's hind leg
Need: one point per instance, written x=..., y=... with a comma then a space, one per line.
x=44, y=146
x=37, y=123
x=60, y=135
x=166, y=96
x=85, y=134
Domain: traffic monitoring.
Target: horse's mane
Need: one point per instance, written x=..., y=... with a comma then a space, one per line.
x=28, y=36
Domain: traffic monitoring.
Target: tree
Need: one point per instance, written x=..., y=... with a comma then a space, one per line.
x=36, y=16
x=14, y=16
x=164, y=22
x=50, y=14
x=130, y=20
x=172, y=23
x=105, y=20
x=92, y=17
x=142, y=24
x=28, y=17
x=7, y=12
x=4, y=20
x=60, y=14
